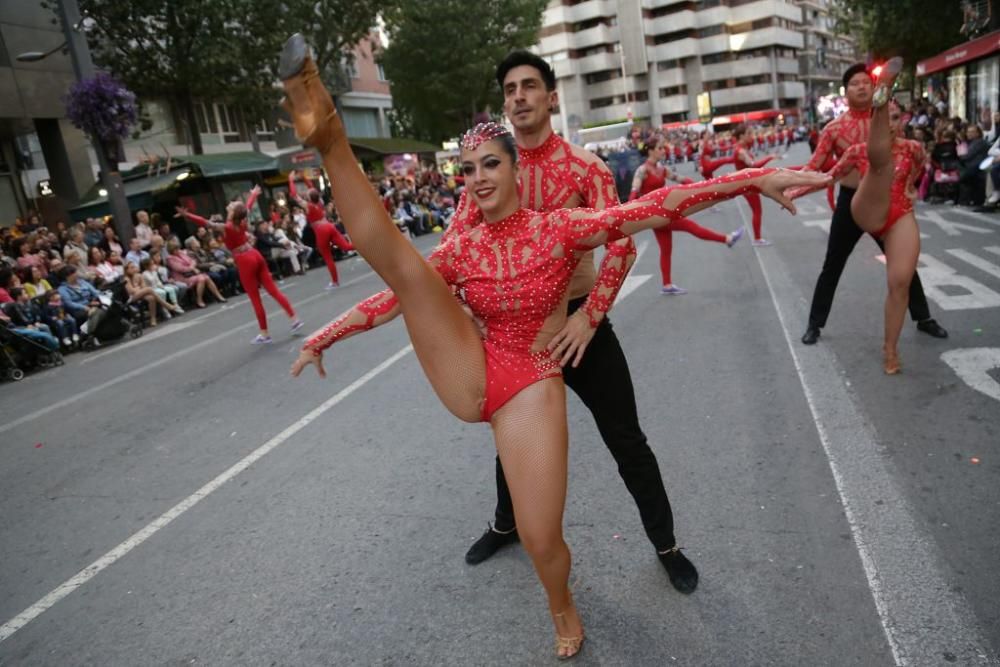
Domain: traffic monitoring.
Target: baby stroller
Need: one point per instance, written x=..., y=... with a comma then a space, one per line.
x=121, y=318
x=18, y=353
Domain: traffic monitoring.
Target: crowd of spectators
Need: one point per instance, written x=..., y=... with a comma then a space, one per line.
x=56, y=281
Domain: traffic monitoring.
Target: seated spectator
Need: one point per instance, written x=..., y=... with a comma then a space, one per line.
x=46, y=340
x=157, y=246
x=8, y=281
x=55, y=273
x=270, y=246
x=110, y=242
x=23, y=312
x=81, y=300
x=75, y=246
x=151, y=278
x=288, y=237
x=93, y=234
x=34, y=284
x=972, y=182
x=59, y=321
x=139, y=291
x=143, y=231
x=183, y=268
x=135, y=252
x=28, y=256
x=47, y=247
x=220, y=274
x=221, y=254
x=156, y=264
x=107, y=274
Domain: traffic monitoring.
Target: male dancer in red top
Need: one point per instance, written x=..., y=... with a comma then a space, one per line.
x=840, y=134
x=555, y=174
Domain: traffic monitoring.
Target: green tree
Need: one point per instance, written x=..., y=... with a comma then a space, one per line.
x=442, y=55
x=913, y=29
x=223, y=50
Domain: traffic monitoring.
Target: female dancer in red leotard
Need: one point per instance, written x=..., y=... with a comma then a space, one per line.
x=249, y=262
x=706, y=164
x=512, y=272
x=651, y=175
x=743, y=159
x=883, y=205
x=326, y=232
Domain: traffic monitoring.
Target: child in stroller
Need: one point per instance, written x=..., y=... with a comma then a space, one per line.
x=24, y=347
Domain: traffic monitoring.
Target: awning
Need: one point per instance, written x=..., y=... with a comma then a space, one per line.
x=963, y=53
x=139, y=193
x=767, y=114
x=230, y=164
x=390, y=146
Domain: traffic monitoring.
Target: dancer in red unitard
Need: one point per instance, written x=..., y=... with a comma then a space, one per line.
x=743, y=159
x=512, y=272
x=326, y=232
x=651, y=175
x=252, y=268
x=706, y=164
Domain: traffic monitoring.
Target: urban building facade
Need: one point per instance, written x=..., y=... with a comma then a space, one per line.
x=825, y=54
x=47, y=165
x=650, y=59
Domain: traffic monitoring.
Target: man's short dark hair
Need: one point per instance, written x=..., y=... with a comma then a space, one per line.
x=856, y=68
x=519, y=58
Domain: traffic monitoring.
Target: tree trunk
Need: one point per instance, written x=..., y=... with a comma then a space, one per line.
x=190, y=122
x=251, y=131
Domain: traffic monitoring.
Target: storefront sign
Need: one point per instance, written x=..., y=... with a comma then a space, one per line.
x=962, y=53
x=45, y=188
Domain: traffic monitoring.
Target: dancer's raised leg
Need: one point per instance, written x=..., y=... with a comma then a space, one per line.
x=444, y=338
x=902, y=249
x=870, y=206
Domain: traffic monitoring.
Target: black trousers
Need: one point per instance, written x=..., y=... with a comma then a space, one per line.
x=844, y=235
x=604, y=384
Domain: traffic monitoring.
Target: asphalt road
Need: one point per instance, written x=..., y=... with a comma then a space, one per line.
x=181, y=500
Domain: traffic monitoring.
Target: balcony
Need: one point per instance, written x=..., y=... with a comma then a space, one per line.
x=596, y=63
x=674, y=104
x=791, y=90
x=595, y=36
x=615, y=112
x=728, y=97
x=591, y=9
x=763, y=9
x=682, y=48
x=668, y=78
x=756, y=39
x=736, y=68
x=671, y=23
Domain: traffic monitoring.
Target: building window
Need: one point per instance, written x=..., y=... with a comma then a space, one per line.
x=673, y=90
x=711, y=31
x=217, y=119
x=664, y=65
x=714, y=58
x=673, y=36
x=264, y=130
x=598, y=77
x=381, y=72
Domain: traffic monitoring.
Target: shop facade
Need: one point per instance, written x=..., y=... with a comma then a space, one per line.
x=966, y=78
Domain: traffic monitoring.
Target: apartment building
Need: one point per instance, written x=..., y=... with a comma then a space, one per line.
x=825, y=54
x=649, y=59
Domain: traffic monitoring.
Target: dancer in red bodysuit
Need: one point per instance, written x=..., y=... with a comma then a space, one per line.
x=326, y=232
x=883, y=206
x=651, y=175
x=743, y=159
x=249, y=262
x=707, y=165
x=838, y=136
x=512, y=271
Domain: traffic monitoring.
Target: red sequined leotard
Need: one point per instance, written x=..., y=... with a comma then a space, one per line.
x=908, y=164
x=513, y=274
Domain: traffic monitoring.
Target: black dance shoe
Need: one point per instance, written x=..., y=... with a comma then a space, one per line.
x=932, y=328
x=810, y=336
x=681, y=571
x=488, y=544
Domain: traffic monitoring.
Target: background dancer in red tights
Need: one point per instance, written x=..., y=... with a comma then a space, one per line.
x=326, y=232
x=743, y=159
x=651, y=175
x=249, y=262
x=706, y=164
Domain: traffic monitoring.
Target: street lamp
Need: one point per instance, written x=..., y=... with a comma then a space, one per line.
x=74, y=28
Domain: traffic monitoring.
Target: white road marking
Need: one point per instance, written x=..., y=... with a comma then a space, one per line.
x=978, y=262
x=900, y=561
x=92, y=570
x=632, y=282
x=936, y=275
x=972, y=365
x=982, y=217
x=948, y=227
x=821, y=224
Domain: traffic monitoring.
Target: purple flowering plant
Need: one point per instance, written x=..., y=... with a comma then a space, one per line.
x=102, y=107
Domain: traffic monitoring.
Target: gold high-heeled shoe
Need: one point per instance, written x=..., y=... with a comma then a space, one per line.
x=570, y=645
x=886, y=80
x=890, y=362
x=307, y=100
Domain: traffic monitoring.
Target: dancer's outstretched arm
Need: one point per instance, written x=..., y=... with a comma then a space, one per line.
x=196, y=219
x=853, y=158
x=587, y=229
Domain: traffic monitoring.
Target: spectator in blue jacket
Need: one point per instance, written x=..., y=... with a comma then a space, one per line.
x=80, y=299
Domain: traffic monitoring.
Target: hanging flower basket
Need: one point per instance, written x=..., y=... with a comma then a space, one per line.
x=103, y=108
